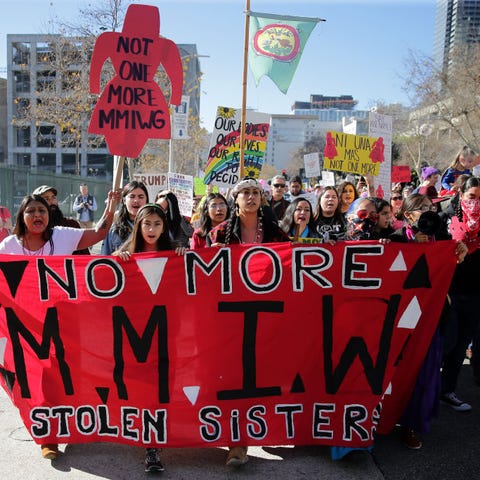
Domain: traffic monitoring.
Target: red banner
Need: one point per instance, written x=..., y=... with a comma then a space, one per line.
x=260, y=345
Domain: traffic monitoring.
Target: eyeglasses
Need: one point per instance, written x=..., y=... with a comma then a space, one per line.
x=395, y=198
x=425, y=208
x=279, y=185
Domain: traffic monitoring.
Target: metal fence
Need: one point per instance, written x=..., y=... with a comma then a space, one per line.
x=16, y=182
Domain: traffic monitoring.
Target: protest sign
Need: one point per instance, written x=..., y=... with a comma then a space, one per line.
x=182, y=186
x=267, y=344
x=401, y=173
x=223, y=163
x=357, y=154
x=155, y=182
x=132, y=108
x=312, y=165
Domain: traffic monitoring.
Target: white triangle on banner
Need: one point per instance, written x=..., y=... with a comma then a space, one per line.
x=152, y=269
x=3, y=346
x=411, y=315
x=191, y=393
x=388, y=391
x=398, y=264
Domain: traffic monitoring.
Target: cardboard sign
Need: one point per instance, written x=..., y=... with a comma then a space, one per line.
x=267, y=344
x=223, y=164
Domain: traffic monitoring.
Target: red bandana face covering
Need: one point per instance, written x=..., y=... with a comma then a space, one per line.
x=471, y=214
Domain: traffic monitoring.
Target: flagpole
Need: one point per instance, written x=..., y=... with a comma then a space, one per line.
x=244, y=89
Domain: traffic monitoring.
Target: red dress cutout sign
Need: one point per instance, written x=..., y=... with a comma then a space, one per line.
x=132, y=108
x=330, y=150
x=378, y=151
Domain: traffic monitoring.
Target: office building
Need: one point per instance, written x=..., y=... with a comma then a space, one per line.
x=457, y=24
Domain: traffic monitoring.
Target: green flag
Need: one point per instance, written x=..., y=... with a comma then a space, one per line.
x=276, y=44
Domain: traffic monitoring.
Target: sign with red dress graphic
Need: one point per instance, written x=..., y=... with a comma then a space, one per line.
x=132, y=108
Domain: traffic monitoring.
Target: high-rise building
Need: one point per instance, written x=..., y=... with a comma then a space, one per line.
x=457, y=24
x=43, y=145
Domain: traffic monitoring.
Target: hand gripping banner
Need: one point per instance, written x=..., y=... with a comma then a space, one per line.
x=252, y=345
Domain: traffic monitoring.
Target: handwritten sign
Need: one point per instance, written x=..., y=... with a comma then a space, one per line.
x=357, y=154
x=312, y=165
x=155, y=182
x=182, y=186
x=132, y=108
x=223, y=162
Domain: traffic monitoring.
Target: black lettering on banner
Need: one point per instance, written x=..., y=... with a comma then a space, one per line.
x=288, y=411
x=257, y=427
x=192, y=260
x=353, y=416
x=86, y=420
x=319, y=420
x=277, y=270
x=105, y=429
x=349, y=281
x=40, y=425
x=118, y=275
x=69, y=286
x=62, y=413
x=211, y=430
x=356, y=346
x=300, y=270
x=154, y=424
x=127, y=422
x=249, y=363
x=141, y=347
x=50, y=334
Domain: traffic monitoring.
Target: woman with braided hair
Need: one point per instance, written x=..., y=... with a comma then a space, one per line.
x=248, y=223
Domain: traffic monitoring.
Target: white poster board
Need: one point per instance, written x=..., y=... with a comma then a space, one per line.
x=312, y=165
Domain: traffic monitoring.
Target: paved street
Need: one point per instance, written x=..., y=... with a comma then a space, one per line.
x=450, y=451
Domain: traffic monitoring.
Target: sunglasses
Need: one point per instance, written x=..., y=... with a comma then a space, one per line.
x=279, y=185
x=395, y=198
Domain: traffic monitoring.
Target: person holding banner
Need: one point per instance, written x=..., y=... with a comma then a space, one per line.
x=134, y=196
x=329, y=220
x=248, y=223
x=298, y=221
x=214, y=211
x=35, y=235
x=424, y=401
x=150, y=234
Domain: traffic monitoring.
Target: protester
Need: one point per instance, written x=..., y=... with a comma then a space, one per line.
x=425, y=399
x=85, y=205
x=35, y=235
x=150, y=234
x=214, y=211
x=5, y=223
x=179, y=228
x=396, y=202
x=298, y=220
x=347, y=193
x=49, y=194
x=383, y=227
x=295, y=188
x=463, y=219
x=330, y=221
x=278, y=202
x=247, y=224
x=134, y=196
x=464, y=160
x=362, y=219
